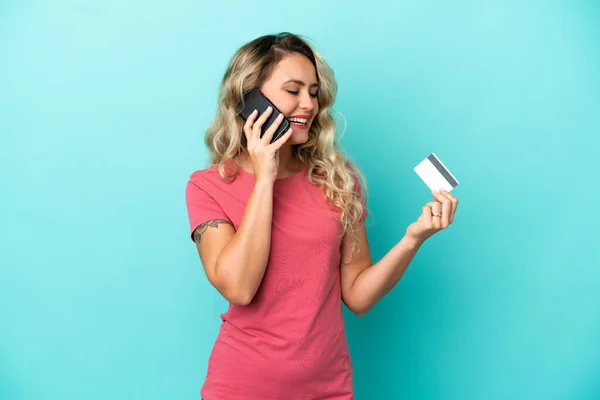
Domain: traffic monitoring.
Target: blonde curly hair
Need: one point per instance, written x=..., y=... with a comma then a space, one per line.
x=248, y=69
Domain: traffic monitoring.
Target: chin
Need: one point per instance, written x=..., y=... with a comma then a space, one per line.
x=298, y=137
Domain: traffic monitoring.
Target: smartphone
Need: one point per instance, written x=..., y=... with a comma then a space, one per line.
x=255, y=100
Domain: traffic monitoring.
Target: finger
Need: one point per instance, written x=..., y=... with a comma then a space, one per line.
x=281, y=141
x=260, y=121
x=436, y=213
x=454, y=202
x=248, y=125
x=446, y=210
x=436, y=207
x=431, y=205
x=272, y=129
x=427, y=216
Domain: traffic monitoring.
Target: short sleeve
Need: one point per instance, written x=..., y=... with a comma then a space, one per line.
x=201, y=206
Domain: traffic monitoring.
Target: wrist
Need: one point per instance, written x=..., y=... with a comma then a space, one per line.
x=264, y=183
x=412, y=242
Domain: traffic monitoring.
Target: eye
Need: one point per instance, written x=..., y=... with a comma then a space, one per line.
x=296, y=93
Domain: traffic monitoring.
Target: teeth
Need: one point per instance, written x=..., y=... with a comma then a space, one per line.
x=299, y=120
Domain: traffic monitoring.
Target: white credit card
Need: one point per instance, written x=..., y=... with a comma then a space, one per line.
x=435, y=174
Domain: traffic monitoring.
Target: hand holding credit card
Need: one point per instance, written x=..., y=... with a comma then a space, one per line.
x=439, y=213
x=435, y=174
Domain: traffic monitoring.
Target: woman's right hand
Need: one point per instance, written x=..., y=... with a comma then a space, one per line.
x=264, y=155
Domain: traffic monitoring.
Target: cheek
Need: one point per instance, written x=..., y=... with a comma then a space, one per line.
x=279, y=100
x=283, y=104
x=286, y=107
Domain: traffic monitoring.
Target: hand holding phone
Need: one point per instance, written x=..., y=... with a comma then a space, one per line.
x=255, y=100
x=264, y=152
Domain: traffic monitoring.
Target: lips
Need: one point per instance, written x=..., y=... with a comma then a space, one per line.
x=299, y=121
x=300, y=126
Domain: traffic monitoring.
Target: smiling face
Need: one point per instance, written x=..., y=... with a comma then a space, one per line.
x=292, y=88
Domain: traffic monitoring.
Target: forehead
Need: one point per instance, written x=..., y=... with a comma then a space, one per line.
x=294, y=66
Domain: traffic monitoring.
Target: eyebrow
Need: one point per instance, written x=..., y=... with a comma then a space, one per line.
x=296, y=81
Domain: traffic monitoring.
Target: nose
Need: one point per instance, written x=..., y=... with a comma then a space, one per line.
x=306, y=102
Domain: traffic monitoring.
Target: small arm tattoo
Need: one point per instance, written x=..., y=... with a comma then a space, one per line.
x=202, y=228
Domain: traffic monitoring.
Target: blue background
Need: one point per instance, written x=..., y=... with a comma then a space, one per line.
x=103, y=108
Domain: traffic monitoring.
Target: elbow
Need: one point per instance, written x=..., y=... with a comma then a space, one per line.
x=359, y=311
x=237, y=296
x=240, y=299
x=234, y=291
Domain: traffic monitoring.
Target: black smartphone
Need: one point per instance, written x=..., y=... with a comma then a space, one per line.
x=255, y=100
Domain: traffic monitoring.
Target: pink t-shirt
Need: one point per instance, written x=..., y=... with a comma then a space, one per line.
x=289, y=342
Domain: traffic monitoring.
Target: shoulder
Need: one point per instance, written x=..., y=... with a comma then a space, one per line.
x=356, y=173
x=203, y=180
x=207, y=174
x=212, y=175
x=215, y=182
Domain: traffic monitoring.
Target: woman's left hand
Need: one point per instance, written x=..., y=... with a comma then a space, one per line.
x=436, y=215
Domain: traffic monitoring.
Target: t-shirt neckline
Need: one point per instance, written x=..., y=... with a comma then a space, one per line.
x=287, y=178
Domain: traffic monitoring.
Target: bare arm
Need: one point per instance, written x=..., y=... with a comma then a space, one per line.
x=235, y=262
x=365, y=283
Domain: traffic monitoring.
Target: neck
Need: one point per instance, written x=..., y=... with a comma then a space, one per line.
x=287, y=161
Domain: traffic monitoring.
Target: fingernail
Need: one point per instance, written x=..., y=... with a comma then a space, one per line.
x=269, y=108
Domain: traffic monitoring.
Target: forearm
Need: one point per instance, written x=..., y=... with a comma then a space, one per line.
x=376, y=281
x=242, y=263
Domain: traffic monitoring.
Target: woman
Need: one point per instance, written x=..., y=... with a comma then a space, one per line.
x=280, y=231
